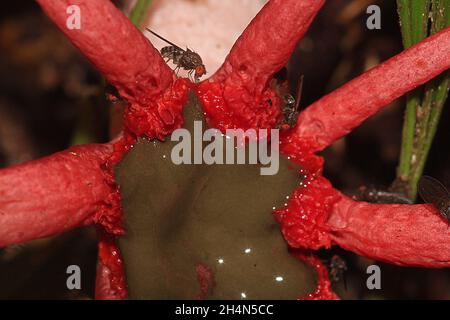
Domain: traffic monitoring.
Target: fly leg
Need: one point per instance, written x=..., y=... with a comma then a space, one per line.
x=190, y=75
x=379, y=196
x=177, y=68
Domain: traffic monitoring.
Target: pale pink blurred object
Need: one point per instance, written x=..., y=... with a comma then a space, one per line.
x=209, y=27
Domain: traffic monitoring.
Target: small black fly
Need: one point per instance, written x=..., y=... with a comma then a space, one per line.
x=291, y=107
x=434, y=192
x=186, y=59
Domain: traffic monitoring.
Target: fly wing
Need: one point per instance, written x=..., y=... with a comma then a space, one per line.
x=432, y=191
x=164, y=39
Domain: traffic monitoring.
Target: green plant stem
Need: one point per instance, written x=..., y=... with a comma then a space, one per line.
x=424, y=105
x=139, y=11
x=404, y=13
x=435, y=96
x=413, y=20
x=409, y=125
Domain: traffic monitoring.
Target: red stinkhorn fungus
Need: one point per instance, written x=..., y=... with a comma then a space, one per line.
x=32, y=204
x=54, y=194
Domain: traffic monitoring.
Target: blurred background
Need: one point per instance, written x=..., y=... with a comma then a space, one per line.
x=52, y=98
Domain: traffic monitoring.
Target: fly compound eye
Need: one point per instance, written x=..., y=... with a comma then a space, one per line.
x=200, y=70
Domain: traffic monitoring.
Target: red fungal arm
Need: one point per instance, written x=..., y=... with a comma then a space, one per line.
x=336, y=114
x=53, y=194
x=110, y=283
x=323, y=291
x=128, y=61
x=411, y=235
x=116, y=48
x=103, y=290
x=267, y=43
x=318, y=216
x=237, y=95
